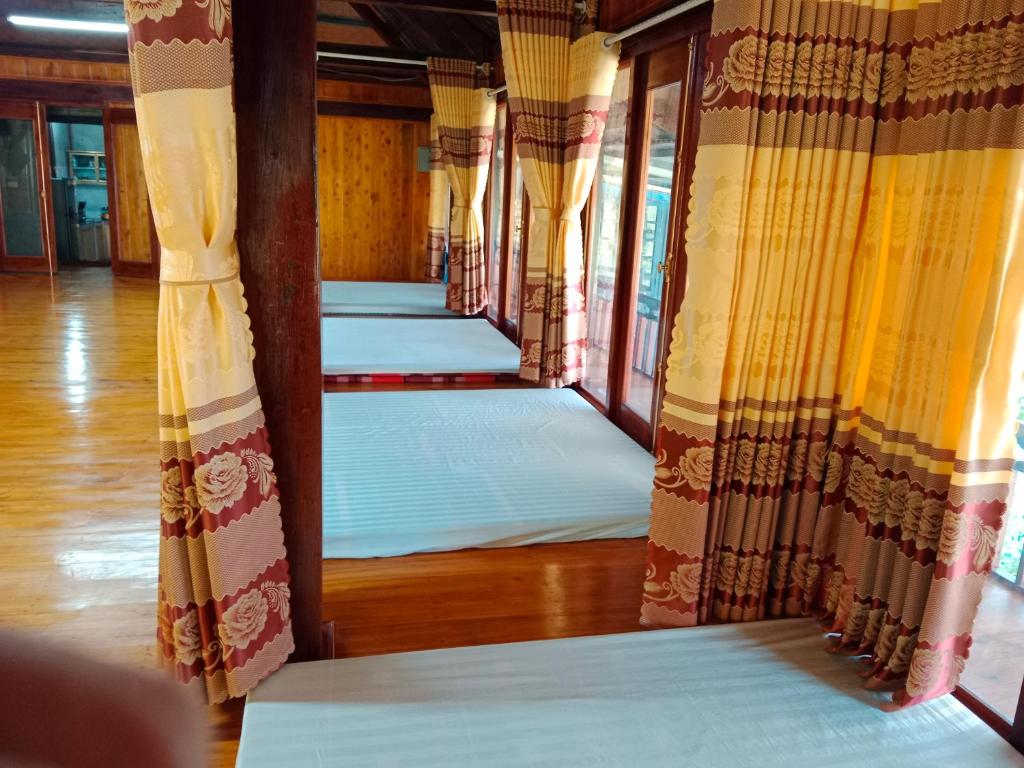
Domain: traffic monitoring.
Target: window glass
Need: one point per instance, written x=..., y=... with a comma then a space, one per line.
x=993, y=672
x=515, y=266
x=497, y=207
x=19, y=188
x=605, y=239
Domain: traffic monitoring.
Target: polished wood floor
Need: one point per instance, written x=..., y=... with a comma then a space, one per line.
x=79, y=509
x=79, y=512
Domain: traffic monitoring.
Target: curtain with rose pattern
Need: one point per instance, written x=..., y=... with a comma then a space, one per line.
x=223, y=621
x=560, y=77
x=836, y=433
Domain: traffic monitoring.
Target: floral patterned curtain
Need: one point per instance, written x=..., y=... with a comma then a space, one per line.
x=223, y=621
x=437, y=219
x=558, y=95
x=465, y=127
x=836, y=434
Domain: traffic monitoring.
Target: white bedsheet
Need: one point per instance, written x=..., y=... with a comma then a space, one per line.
x=759, y=695
x=364, y=345
x=345, y=297
x=424, y=471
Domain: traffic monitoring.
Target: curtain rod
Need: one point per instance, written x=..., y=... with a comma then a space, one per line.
x=379, y=59
x=654, y=21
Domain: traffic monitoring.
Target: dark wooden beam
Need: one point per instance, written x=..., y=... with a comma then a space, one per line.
x=382, y=28
x=462, y=7
x=275, y=97
x=379, y=111
x=86, y=94
x=61, y=52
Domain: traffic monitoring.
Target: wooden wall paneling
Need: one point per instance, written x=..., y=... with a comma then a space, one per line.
x=275, y=98
x=134, y=248
x=373, y=93
x=373, y=199
x=64, y=70
x=417, y=135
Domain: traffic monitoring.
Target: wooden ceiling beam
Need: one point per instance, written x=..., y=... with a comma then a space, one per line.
x=387, y=34
x=462, y=7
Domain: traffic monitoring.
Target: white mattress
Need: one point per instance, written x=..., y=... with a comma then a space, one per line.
x=740, y=696
x=441, y=470
x=358, y=298
x=364, y=345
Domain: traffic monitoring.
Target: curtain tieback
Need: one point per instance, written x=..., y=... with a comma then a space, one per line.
x=569, y=216
x=189, y=267
x=225, y=279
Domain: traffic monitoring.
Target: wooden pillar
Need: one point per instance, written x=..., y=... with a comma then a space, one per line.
x=275, y=99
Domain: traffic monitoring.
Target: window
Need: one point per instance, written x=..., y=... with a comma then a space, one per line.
x=517, y=245
x=495, y=245
x=605, y=241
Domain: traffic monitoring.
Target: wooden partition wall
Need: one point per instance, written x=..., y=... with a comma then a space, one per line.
x=134, y=247
x=373, y=198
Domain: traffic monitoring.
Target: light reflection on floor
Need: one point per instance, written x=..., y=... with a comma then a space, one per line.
x=79, y=472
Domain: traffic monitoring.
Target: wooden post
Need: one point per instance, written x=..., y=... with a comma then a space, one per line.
x=275, y=99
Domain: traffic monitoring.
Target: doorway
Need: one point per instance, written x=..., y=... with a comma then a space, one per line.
x=78, y=184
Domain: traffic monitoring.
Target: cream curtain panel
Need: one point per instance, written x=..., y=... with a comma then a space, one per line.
x=838, y=423
x=465, y=126
x=437, y=215
x=558, y=94
x=223, y=620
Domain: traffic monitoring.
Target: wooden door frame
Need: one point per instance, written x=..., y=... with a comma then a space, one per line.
x=125, y=115
x=35, y=112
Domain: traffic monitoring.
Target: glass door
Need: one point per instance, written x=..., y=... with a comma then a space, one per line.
x=635, y=230
x=495, y=245
x=652, y=255
x=519, y=226
x=25, y=238
x=604, y=242
x=992, y=683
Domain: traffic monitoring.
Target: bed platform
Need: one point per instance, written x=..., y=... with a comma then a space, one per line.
x=758, y=694
x=358, y=349
x=342, y=297
x=427, y=471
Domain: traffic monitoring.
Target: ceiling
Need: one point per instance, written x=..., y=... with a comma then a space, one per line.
x=411, y=28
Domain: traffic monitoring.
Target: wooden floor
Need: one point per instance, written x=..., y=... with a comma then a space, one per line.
x=79, y=511
x=79, y=517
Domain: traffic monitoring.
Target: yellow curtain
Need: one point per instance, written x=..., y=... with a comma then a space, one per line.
x=223, y=618
x=437, y=215
x=838, y=423
x=559, y=92
x=465, y=125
